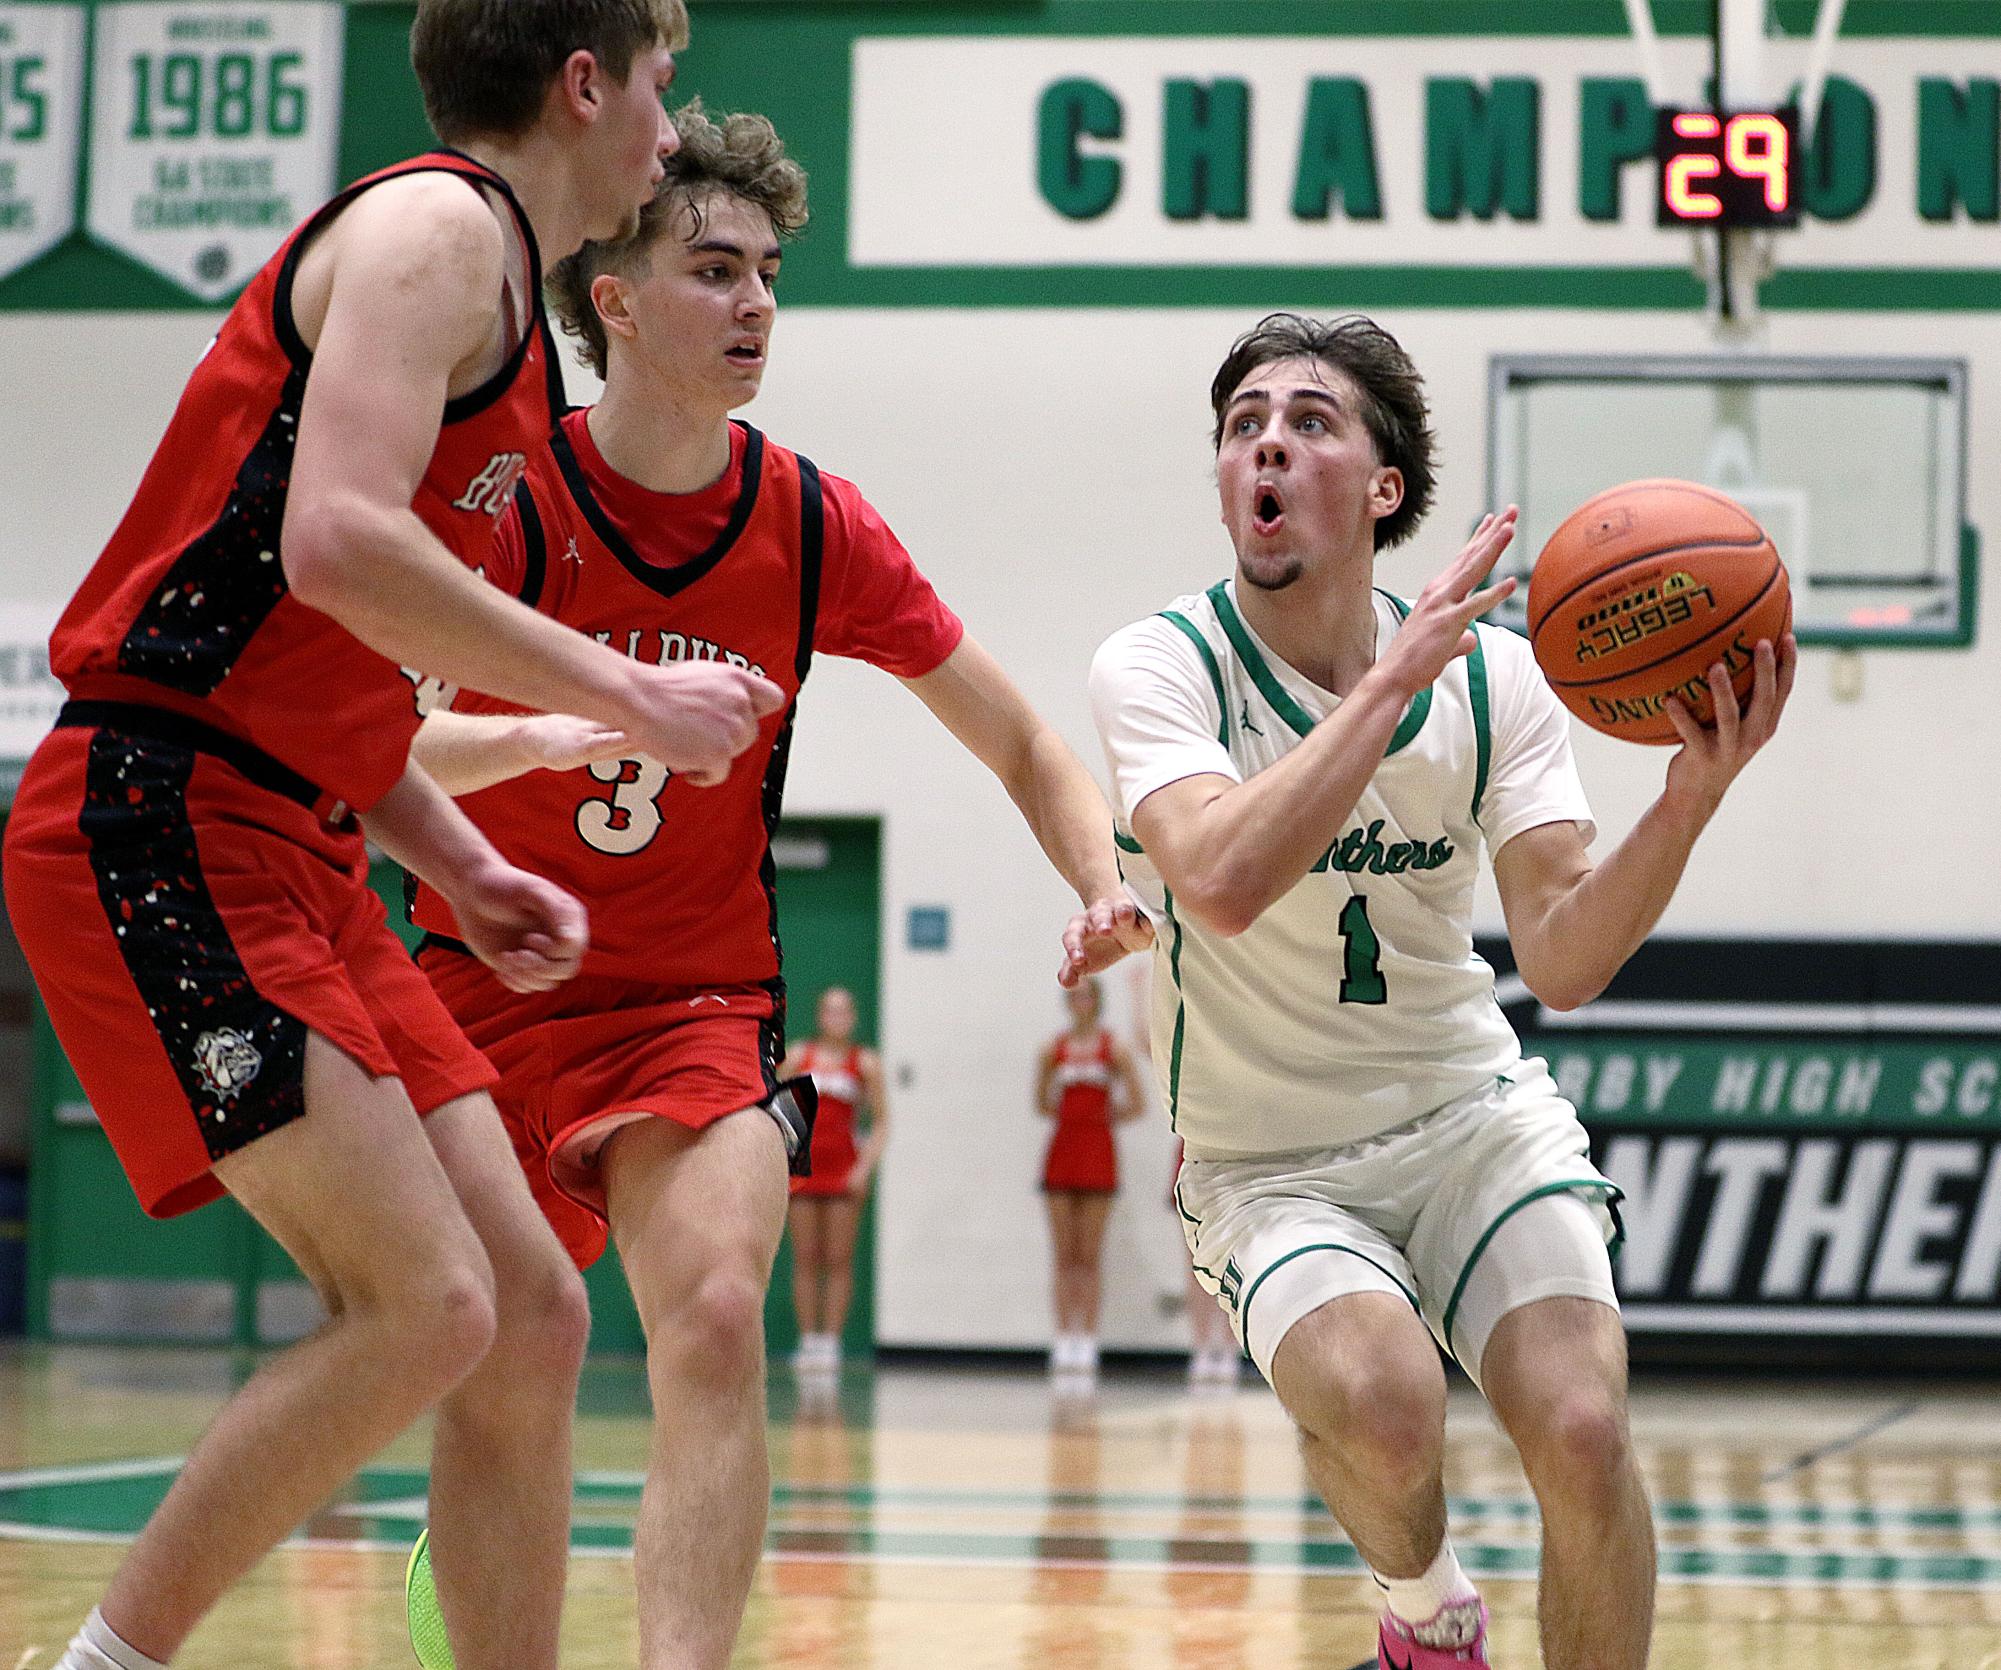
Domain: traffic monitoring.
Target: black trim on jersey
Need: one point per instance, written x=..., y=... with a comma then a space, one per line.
x=177, y=730
x=666, y=581
x=441, y=942
x=226, y=581
x=552, y=365
x=476, y=173
x=534, y=546
x=812, y=551
x=239, y=1058
x=812, y=548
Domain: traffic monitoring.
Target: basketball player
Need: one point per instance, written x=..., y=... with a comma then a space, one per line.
x=184, y=865
x=1305, y=770
x=645, y=1094
x=827, y=1202
x=1084, y=1081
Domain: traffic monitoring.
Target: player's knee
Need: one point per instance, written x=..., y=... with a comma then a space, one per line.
x=1576, y=1443
x=717, y=1332
x=449, y=1322
x=1385, y=1415
x=546, y=1321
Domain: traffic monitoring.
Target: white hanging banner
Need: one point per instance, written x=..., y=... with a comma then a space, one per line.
x=213, y=132
x=41, y=120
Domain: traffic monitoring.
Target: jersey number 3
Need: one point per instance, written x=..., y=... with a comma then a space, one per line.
x=1361, y=956
x=626, y=821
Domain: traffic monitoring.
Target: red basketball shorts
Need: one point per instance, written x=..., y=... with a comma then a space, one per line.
x=596, y=1053
x=189, y=918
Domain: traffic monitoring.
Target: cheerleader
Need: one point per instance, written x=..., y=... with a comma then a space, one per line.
x=1085, y=1082
x=826, y=1207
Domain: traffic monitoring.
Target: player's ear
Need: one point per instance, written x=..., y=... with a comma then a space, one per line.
x=609, y=299
x=579, y=86
x=1385, y=491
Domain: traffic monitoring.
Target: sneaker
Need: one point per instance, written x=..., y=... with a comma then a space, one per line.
x=420, y=1604
x=1398, y=1648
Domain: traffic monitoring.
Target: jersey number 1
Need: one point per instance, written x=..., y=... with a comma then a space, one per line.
x=628, y=820
x=1361, y=955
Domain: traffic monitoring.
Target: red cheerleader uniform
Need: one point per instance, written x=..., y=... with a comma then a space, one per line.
x=1082, y=1158
x=837, y=1076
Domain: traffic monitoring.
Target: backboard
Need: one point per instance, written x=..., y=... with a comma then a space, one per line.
x=1856, y=468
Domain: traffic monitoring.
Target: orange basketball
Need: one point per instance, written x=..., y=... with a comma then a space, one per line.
x=1641, y=591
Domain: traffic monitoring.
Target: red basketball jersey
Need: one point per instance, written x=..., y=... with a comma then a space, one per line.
x=188, y=608
x=679, y=880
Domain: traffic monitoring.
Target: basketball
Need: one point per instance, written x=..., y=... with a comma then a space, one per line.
x=1640, y=591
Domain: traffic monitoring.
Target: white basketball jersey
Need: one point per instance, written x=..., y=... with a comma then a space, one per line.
x=1355, y=1003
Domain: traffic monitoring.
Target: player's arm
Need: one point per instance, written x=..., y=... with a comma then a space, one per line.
x=1573, y=924
x=528, y=931
x=876, y=1095
x=794, y=1063
x=465, y=752
x=416, y=278
x=1230, y=850
x=979, y=704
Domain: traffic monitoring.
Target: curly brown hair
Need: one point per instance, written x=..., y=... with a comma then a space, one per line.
x=484, y=66
x=1393, y=404
x=738, y=156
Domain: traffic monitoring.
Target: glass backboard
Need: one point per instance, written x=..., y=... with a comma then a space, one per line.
x=1856, y=468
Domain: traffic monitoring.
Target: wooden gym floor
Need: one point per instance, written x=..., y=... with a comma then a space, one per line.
x=929, y=1517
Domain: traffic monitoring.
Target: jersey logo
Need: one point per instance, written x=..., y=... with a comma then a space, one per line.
x=493, y=487
x=226, y=1061
x=1245, y=722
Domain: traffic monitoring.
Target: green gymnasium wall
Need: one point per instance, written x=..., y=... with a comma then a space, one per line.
x=796, y=60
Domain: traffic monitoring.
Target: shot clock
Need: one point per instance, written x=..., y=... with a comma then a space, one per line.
x=1733, y=171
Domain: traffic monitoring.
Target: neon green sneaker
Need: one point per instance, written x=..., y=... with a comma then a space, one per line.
x=420, y=1599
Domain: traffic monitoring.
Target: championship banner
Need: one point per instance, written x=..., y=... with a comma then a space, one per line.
x=1808, y=1136
x=213, y=132
x=41, y=124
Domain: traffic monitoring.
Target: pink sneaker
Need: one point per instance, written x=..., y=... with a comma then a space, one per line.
x=1398, y=1649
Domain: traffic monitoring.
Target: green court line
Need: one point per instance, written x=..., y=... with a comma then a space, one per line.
x=116, y=1496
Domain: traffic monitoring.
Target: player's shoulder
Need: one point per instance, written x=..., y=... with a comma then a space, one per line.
x=1165, y=631
x=1510, y=662
x=429, y=216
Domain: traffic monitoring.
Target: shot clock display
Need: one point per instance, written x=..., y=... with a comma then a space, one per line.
x=1733, y=170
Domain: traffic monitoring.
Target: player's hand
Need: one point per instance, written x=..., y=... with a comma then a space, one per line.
x=1439, y=628
x=858, y=1182
x=1710, y=757
x=529, y=931
x=695, y=717
x=563, y=742
x=1098, y=937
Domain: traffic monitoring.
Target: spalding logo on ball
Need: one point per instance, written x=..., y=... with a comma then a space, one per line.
x=1640, y=591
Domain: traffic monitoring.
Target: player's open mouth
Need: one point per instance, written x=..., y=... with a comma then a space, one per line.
x=745, y=353
x=1267, y=510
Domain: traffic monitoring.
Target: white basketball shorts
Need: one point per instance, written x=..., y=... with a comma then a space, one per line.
x=1484, y=1205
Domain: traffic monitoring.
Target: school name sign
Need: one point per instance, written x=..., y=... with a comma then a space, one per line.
x=1364, y=151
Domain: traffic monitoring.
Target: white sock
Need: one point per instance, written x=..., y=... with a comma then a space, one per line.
x=1442, y=1602
x=97, y=1647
